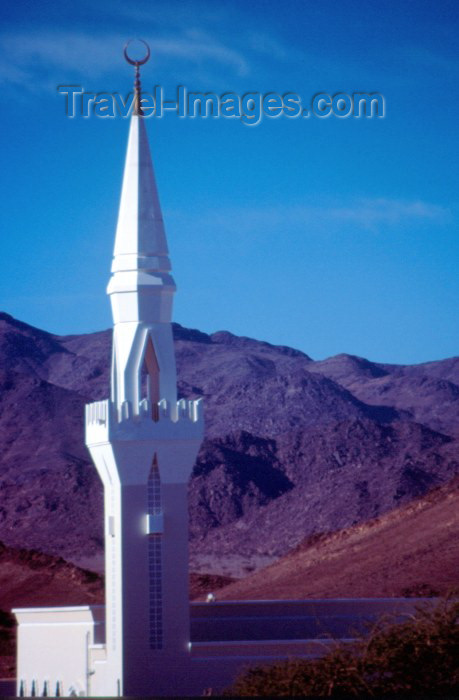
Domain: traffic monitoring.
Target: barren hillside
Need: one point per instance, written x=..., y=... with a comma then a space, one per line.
x=412, y=551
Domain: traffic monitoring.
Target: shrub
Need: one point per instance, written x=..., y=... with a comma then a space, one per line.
x=415, y=658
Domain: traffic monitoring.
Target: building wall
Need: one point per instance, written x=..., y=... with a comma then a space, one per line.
x=64, y=644
x=53, y=648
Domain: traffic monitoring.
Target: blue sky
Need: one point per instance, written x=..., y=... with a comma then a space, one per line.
x=329, y=235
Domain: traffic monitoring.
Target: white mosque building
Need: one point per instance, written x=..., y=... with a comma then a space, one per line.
x=144, y=443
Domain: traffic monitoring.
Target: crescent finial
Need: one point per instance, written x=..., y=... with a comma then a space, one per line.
x=136, y=64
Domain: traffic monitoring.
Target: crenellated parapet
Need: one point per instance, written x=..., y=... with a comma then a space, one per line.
x=164, y=420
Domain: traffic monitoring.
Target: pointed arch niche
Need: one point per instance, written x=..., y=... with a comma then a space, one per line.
x=149, y=388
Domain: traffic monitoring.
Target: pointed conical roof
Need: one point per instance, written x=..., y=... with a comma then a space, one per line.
x=140, y=229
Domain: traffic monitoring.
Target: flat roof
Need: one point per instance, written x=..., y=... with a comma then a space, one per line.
x=69, y=608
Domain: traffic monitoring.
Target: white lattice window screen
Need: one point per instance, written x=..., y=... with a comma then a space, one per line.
x=155, y=561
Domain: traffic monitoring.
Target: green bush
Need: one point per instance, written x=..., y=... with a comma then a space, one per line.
x=416, y=658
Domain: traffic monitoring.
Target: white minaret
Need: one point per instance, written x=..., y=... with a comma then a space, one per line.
x=143, y=443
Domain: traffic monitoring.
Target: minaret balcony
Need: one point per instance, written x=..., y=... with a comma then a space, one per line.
x=181, y=420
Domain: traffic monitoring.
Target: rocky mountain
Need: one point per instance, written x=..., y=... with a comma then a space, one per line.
x=426, y=393
x=293, y=447
x=411, y=551
x=335, y=475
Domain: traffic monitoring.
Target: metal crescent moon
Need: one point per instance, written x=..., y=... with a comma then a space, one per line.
x=131, y=60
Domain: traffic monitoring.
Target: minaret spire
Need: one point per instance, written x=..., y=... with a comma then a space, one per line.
x=141, y=287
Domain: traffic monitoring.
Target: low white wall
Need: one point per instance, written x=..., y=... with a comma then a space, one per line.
x=53, y=649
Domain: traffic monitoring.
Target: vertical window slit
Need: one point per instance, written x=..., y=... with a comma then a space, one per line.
x=155, y=561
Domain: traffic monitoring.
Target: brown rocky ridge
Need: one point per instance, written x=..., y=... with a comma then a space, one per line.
x=411, y=551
